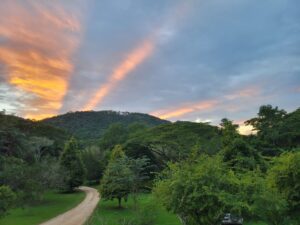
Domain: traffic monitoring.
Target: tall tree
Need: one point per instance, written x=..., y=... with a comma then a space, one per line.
x=267, y=124
x=116, y=182
x=72, y=163
x=229, y=131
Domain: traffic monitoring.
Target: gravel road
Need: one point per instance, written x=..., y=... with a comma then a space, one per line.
x=80, y=214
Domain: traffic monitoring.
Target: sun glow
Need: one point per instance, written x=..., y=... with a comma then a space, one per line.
x=36, y=53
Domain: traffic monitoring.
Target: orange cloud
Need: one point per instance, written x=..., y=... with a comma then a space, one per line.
x=173, y=113
x=39, y=41
x=133, y=59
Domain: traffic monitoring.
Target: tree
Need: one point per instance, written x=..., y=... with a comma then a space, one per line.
x=72, y=163
x=7, y=198
x=116, y=153
x=38, y=145
x=200, y=192
x=284, y=176
x=229, y=131
x=270, y=206
x=116, y=182
x=116, y=179
x=239, y=155
x=139, y=174
x=27, y=181
x=94, y=161
x=267, y=124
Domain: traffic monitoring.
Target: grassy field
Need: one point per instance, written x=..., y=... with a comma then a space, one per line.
x=255, y=223
x=52, y=205
x=108, y=213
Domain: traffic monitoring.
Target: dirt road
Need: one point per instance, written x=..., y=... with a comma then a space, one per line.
x=79, y=214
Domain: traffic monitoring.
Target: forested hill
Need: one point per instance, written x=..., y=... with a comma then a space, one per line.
x=91, y=125
x=20, y=137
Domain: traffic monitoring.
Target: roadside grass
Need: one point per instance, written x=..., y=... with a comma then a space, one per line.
x=108, y=213
x=256, y=223
x=54, y=203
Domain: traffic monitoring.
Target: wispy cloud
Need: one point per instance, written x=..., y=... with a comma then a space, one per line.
x=185, y=109
x=140, y=53
x=38, y=41
x=222, y=102
x=132, y=60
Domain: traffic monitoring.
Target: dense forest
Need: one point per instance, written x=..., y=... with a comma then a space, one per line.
x=90, y=126
x=196, y=170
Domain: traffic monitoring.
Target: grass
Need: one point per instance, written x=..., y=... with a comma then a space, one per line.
x=53, y=204
x=256, y=223
x=108, y=213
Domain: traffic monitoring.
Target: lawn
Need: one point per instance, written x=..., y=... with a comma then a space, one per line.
x=256, y=223
x=108, y=213
x=53, y=204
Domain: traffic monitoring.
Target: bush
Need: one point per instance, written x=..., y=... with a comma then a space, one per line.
x=7, y=198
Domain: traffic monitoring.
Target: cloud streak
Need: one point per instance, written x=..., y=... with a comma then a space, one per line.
x=133, y=59
x=38, y=43
x=183, y=110
x=138, y=55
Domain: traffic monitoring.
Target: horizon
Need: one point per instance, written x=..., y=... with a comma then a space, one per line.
x=190, y=61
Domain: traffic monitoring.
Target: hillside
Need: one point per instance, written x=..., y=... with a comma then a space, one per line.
x=91, y=125
x=16, y=134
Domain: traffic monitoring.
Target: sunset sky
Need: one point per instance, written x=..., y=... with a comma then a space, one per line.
x=191, y=60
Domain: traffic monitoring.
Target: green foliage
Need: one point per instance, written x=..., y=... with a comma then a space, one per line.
x=7, y=198
x=116, y=181
x=229, y=131
x=94, y=161
x=241, y=156
x=173, y=142
x=123, y=176
x=115, y=134
x=117, y=153
x=72, y=163
x=284, y=175
x=89, y=126
x=149, y=212
x=199, y=192
x=270, y=206
x=28, y=181
x=276, y=129
x=53, y=204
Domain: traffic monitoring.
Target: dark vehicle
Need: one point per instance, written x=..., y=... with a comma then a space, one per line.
x=230, y=219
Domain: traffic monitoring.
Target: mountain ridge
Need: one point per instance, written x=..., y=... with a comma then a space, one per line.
x=91, y=125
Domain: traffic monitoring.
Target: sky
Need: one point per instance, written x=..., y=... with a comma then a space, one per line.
x=191, y=60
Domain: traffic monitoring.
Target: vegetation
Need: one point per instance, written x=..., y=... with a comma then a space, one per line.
x=72, y=166
x=195, y=171
x=149, y=212
x=53, y=204
x=7, y=198
x=90, y=126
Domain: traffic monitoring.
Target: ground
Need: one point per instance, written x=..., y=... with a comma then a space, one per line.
x=53, y=204
x=109, y=214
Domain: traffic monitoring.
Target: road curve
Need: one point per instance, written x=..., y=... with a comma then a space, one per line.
x=80, y=214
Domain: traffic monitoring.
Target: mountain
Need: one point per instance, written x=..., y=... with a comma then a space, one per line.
x=91, y=125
